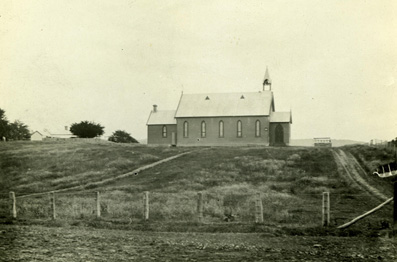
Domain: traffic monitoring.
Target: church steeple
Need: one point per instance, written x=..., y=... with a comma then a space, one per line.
x=267, y=81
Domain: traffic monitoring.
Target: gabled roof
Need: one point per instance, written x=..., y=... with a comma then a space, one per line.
x=36, y=132
x=281, y=117
x=162, y=117
x=57, y=132
x=226, y=104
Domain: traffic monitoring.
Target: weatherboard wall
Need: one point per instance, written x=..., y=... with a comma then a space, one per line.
x=230, y=137
x=155, y=134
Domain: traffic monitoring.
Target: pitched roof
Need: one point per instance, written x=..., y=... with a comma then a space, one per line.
x=57, y=132
x=36, y=132
x=162, y=117
x=225, y=104
x=281, y=117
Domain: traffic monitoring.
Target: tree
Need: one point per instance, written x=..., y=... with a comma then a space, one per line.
x=86, y=129
x=12, y=131
x=18, y=131
x=120, y=136
x=3, y=124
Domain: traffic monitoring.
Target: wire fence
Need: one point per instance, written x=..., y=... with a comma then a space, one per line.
x=210, y=207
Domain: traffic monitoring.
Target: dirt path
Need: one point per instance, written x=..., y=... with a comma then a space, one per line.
x=355, y=172
x=59, y=244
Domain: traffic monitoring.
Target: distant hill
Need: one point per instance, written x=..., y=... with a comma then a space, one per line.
x=335, y=142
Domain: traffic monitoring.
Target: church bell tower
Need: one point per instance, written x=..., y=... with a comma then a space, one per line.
x=267, y=81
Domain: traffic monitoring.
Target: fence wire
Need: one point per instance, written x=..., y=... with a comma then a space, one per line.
x=278, y=208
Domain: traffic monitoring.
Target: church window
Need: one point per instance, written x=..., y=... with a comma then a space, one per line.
x=164, y=131
x=221, y=128
x=203, y=129
x=257, y=128
x=239, y=129
x=185, y=129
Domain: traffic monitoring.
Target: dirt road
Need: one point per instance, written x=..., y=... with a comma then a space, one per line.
x=355, y=173
x=56, y=244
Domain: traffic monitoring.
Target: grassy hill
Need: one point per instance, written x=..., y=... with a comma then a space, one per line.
x=291, y=181
x=31, y=167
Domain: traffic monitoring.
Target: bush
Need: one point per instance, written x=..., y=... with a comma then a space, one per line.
x=86, y=129
x=120, y=136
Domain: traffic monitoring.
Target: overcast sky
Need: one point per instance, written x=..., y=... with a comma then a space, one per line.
x=334, y=63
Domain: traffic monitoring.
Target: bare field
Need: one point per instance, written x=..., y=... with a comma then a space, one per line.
x=36, y=243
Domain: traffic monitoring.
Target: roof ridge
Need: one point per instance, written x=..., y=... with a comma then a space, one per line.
x=163, y=110
x=220, y=93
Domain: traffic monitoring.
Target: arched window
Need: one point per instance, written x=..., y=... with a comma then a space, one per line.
x=164, y=131
x=221, y=128
x=258, y=128
x=239, y=129
x=185, y=129
x=203, y=129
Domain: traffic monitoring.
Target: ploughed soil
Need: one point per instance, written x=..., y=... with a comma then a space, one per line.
x=40, y=243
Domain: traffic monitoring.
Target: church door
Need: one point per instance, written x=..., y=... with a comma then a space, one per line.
x=173, y=139
x=279, y=134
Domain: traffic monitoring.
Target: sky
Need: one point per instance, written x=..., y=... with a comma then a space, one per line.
x=333, y=63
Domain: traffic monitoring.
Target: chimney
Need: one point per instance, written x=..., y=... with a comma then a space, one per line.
x=154, y=108
x=66, y=128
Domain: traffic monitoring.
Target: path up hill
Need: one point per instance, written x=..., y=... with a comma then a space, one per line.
x=291, y=180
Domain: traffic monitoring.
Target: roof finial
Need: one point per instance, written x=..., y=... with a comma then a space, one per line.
x=267, y=81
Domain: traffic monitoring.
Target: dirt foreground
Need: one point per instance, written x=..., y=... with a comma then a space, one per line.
x=38, y=243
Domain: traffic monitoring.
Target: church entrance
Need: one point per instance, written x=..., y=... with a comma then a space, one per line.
x=279, y=138
x=173, y=139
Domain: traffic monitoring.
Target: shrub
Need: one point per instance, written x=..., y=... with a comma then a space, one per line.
x=291, y=160
x=120, y=136
x=86, y=129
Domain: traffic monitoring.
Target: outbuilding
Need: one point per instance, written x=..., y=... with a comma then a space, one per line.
x=36, y=136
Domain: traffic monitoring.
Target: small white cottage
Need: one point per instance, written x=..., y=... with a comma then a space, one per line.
x=36, y=136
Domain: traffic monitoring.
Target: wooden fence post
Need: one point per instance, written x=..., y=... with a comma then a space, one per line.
x=146, y=205
x=13, y=205
x=200, y=207
x=258, y=209
x=326, y=209
x=52, y=204
x=98, y=205
x=395, y=210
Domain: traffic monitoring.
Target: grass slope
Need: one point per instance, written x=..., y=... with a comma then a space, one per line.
x=31, y=167
x=370, y=158
x=290, y=180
